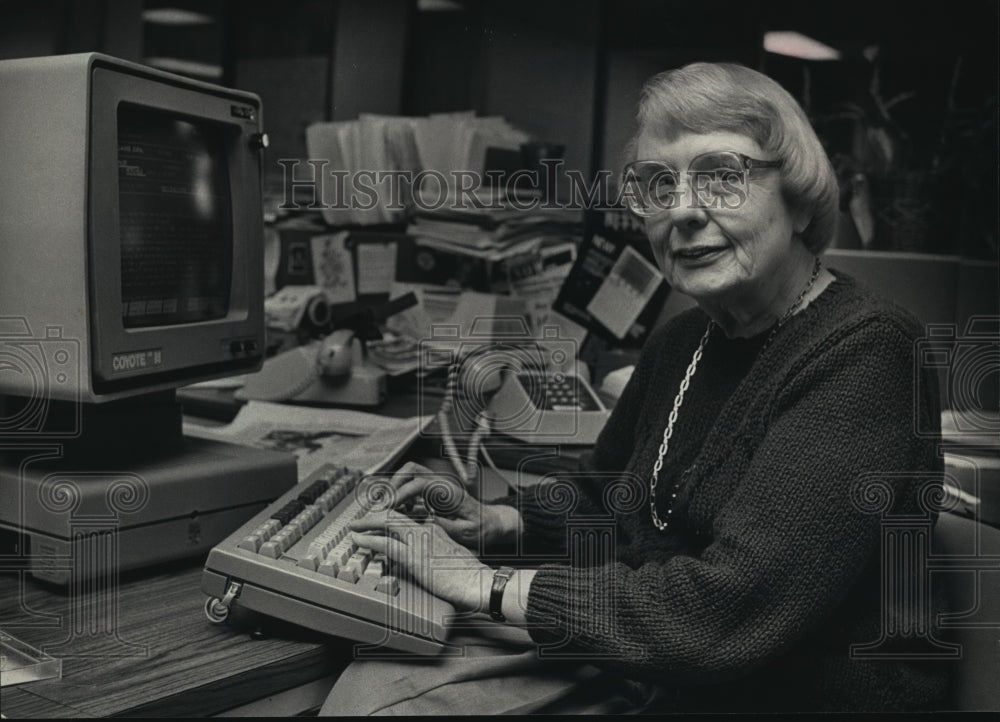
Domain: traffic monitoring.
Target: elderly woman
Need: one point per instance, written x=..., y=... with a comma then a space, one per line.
x=740, y=567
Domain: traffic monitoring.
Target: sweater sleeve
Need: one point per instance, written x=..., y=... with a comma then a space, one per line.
x=787, y=544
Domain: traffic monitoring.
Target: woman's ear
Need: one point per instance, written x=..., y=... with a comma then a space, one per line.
x=800, y=221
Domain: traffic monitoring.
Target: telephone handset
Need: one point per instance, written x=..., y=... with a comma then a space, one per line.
x=330, y=371
x=336, y=354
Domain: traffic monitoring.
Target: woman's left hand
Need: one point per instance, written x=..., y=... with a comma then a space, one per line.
x=425, y=552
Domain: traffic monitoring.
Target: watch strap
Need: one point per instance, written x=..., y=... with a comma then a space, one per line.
x=500, y=579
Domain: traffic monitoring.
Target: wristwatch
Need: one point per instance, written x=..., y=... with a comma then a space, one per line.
x=500, y=579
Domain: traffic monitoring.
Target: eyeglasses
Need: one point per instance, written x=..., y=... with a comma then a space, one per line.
x=718, y=180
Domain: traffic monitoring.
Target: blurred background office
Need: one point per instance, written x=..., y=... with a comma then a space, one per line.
x=905, y=98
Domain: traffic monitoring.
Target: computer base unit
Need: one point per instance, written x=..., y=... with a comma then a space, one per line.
x=68, y=522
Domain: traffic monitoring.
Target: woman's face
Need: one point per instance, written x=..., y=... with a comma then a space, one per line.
x=714, y=251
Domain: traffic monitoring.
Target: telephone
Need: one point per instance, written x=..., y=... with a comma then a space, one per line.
x=548, y=407
x=329, y=371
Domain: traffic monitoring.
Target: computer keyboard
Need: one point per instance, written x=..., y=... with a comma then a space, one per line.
x=295, y=561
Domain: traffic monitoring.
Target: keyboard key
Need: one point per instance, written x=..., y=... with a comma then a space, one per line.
x=342, y=552
x=388, y=585
x=270, y=549
x=307, y=519
x=329, y=568
x=312, y=492
x=327, y=500
x=313, y=515
x=288, y=511
x=309, y=561
x=251, y=542
x=349, y=574
x=266, y=531
x=360, y=559
x=320, y=547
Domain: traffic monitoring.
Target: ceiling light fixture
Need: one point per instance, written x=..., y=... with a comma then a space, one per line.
x=797, y=45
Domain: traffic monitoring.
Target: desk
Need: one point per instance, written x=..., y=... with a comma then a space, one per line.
x=166, y=660
x=215, y=406
x=163, y=658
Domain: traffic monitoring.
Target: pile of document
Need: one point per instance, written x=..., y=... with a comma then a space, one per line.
x=373, y=167
x=356, y=160
x=493, y=233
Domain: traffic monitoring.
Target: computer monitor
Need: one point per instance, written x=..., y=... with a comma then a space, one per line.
x=130, y=212
x=131, y=263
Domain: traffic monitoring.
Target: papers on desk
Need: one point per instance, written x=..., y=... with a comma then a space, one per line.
x=372, y=167
x=355, y=439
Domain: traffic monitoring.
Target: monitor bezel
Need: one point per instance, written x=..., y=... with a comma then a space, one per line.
x=180, y=353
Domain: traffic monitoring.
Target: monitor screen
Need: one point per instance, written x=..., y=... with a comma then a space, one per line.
x=175, y=217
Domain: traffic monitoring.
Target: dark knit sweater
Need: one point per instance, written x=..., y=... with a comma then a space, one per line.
x=770, y=568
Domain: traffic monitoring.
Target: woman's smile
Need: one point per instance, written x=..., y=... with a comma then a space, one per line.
x=698, y=255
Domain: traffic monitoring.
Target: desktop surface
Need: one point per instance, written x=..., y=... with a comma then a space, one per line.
x=159, y=656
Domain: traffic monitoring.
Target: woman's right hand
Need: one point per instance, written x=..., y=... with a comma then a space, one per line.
x=466, y=519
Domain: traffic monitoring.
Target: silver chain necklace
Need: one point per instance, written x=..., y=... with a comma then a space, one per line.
x=660, y=524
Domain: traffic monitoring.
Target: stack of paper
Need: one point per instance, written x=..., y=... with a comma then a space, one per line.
x=494, y=234
x=360, y=162
x=375, y=169
x=450, y=142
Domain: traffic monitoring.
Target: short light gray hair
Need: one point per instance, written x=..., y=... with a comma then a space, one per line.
x=711, y=97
